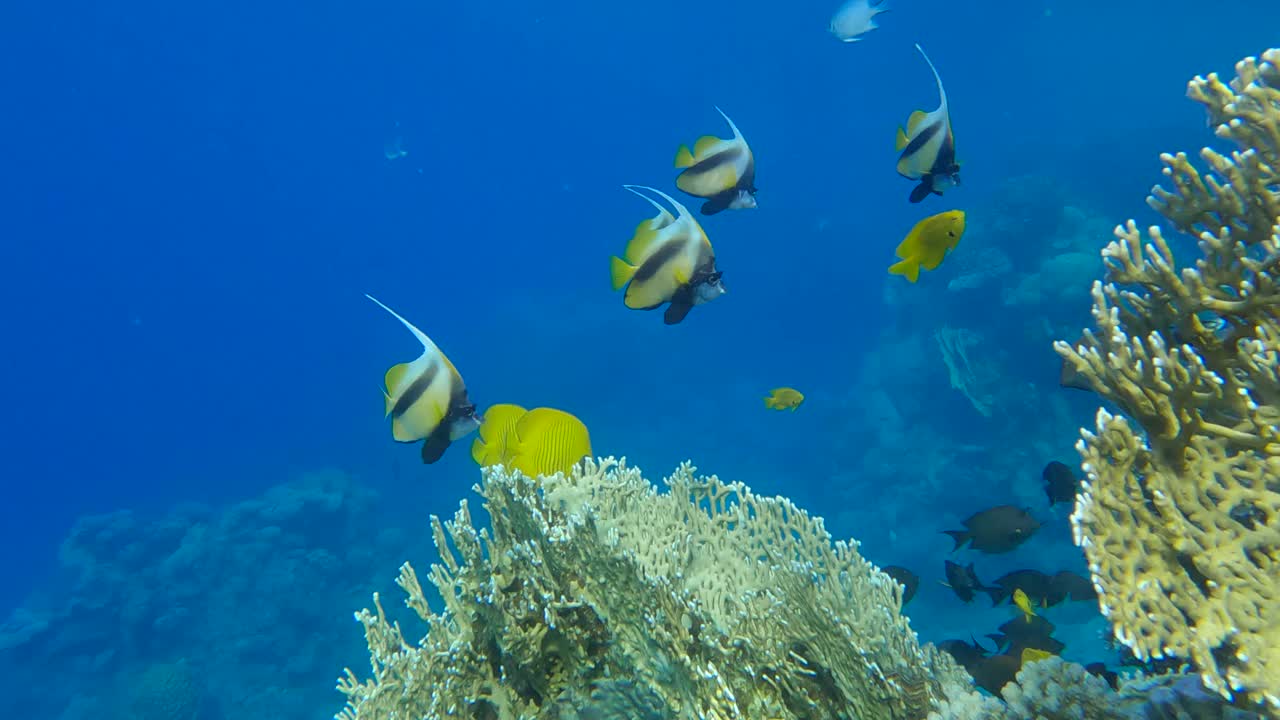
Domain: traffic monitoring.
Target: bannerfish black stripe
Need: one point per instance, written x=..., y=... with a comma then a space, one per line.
x=656, y=261
x=920, y=140
x=415, y=390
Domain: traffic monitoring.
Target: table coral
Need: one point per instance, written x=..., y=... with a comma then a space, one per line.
x=596, y=592
x=1180, y=513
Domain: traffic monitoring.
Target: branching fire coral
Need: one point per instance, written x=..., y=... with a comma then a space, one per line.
x=1180, y=516
x=596, y=592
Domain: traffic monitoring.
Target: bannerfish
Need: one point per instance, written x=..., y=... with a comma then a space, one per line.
x=669, y=260
x=490, y=447
x=721, y=171
x=426, y=399
x=1060, y=484
x=909, y=581
x=928, y=243
x=1023, y=603
x=783, y=398
x=996, y=530
x=856, y=18
x=963, y=581
x=928, y=147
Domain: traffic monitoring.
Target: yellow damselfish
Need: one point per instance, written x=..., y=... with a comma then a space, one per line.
x=928, y=243
x=541, y=441
x=1024, y=603
x=784, y=398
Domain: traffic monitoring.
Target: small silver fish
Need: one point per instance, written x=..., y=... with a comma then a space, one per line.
x=856, y=18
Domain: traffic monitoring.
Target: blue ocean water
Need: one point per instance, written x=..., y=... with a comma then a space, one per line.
x=196, y=197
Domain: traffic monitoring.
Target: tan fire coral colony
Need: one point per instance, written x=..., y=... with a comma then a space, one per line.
x=597, y=596
x=1180, y=519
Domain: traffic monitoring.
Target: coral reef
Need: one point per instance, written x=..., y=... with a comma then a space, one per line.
x=597, y=595
x=1053, y=689
x=1180, y=514
x=202, y=612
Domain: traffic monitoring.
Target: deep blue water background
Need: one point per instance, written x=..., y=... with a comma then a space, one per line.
x=195, y=198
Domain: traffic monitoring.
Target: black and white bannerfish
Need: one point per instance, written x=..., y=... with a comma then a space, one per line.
x=426, y=398
x=928, y=147
x=669, y=260
x=721, y=171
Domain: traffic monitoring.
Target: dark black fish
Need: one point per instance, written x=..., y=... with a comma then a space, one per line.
x=1038, y=586
x=1069, y=376
x=1100, y=669
x=993, y=673
x=1024, y=632
x=997, y=530
x=1074, y=586
x=909, y=581
x=968, y=654
x=1060, y=483
x=963, y=581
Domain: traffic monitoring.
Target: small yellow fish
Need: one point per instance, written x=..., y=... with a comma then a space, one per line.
x=1024, y=604
x=541, y=441
x=928, y=243
x=784, y=398
x=1030, y=655
x=499, y=425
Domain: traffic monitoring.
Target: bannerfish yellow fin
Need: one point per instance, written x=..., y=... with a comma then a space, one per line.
x=910, y=269
x=706, y=146
x=770, y=403
x=914, y=122
x=902, y=141
x=395, y=375
x=684, y=158
x=620, y=272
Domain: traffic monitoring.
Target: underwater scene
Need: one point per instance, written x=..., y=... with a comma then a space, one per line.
x=568, y=360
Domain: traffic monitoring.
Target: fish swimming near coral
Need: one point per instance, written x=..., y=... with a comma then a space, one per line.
x=928, y=243
x=1074, y=586
x=490, y=445
x=1022, y=632
x=1060, y=484
x=996, y=530
x=783, y=398
x=909, y=581
x=1037, y=586
x=928, y=147
x=426, y=398
x=538, y=442
x=856, y=18
x=1023, y=603
x=963, y=581
x=669, y=261
x=721, y=171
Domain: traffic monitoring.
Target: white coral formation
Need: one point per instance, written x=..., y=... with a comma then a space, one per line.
x=1180, y=515
x=711, y=601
